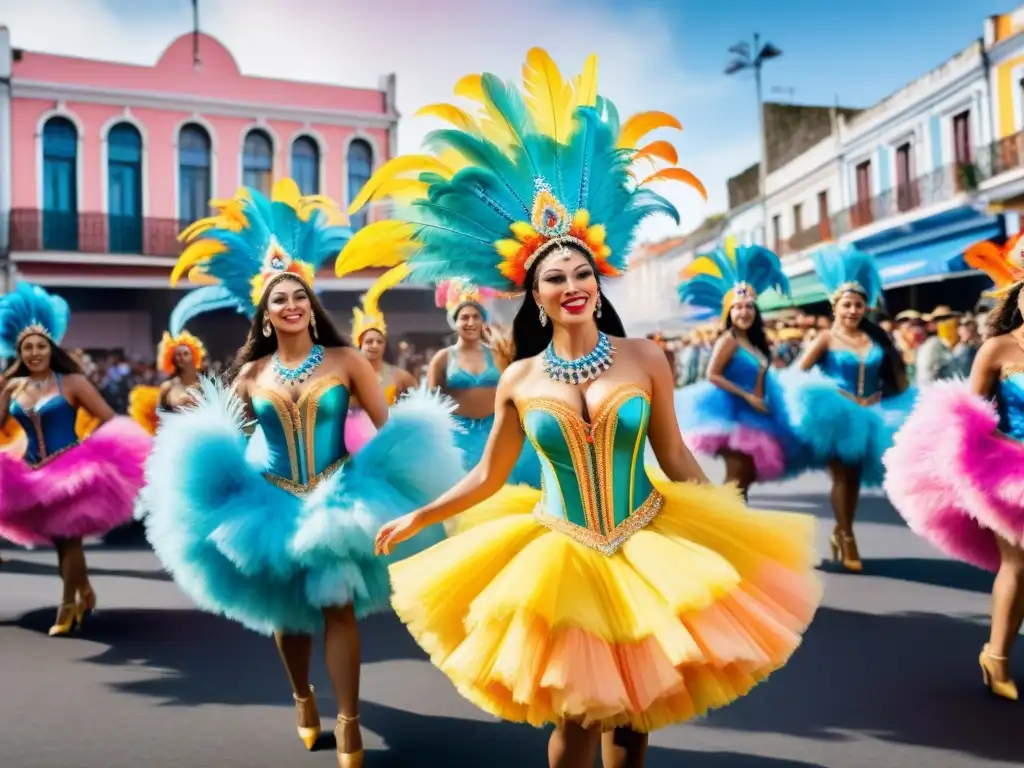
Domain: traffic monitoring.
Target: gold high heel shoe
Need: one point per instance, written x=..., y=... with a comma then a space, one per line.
x=308, y=733
x=1006, y=689
x=844, y=551
x=347, y=759
x=68, y=618
x=86, y=603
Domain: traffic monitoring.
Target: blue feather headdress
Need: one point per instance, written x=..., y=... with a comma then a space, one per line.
x=532, y=171
x=714, y=281
x=27, y=310
x=848, y=270
x=252, y=242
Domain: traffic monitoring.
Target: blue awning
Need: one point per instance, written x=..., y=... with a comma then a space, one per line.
x=931, y=261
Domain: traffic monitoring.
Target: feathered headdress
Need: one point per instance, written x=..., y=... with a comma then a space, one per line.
x=714, y=281
x=170, y=342
x=453, y=295
x=1004, y=264
x=531, y=171
x=368, y=317
x=252, y=242
x=848, y=270
x=27, y=310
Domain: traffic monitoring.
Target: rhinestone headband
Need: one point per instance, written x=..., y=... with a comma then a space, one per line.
x=35, y=329
x=851, y=286
x=556, y=243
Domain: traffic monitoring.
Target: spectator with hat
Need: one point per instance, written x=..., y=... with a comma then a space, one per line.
x=935, y=357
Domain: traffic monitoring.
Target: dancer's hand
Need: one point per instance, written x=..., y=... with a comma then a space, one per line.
x=757, y=403
x=395, y=532
x=873, y=400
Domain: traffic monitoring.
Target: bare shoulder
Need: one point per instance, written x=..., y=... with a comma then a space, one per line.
x=440, y=357
x=75, y=380
x=342, y=354
x=251, y=370
x=997, y=347
x=639, y=349
x=519, y=370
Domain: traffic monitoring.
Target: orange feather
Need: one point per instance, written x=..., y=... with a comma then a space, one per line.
x=639, y=125
x=677, y=174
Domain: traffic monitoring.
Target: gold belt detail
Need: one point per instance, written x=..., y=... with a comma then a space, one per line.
x=605, y=544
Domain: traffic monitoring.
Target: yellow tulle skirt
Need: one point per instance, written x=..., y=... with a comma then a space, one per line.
x=688, y=615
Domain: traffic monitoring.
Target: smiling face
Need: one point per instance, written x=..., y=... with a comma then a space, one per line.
x=849, y=311
x=567, y=287
x=183, y=359
x=372, y=343
x=35, y=352
x=289, y=307
x=742, y=313
x=469, y=323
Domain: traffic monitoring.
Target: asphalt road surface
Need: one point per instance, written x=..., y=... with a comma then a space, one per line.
x=887, y=677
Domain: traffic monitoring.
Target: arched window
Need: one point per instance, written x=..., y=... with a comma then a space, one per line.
x=258, y=161
x=60, y=185
x=306, y=165
x=360, y=168
x=194, y=189
x=124, y=188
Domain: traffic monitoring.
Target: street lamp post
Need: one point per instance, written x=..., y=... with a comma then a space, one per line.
x=744, y=60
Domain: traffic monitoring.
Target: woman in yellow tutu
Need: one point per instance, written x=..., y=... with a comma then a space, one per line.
x=615, y=600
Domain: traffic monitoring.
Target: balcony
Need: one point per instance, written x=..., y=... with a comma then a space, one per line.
x=58, y=231
x=1001, y=156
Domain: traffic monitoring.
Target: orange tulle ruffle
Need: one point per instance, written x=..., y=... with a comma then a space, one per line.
x=690, y=614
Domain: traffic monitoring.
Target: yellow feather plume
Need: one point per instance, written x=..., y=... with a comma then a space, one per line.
x=702, y=265
x=677, y=174
x=548, y=96
x=394, y=168
x=195, y=254
x=13, y=440
x=85, y=423
x=451, y=114
x=198, y=276
x=381, y=244
x=369, y=317
x=586, y=83
x=142, y=407
x=490, y=121
x=641, y=124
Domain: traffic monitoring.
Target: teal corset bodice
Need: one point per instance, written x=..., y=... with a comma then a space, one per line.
x=744, y=369
x=1010, y=402
x=595, y=487
x=49, y=426
x=305, y=438
x=860, y=375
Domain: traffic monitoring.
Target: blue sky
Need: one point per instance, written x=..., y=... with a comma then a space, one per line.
x=655, y=54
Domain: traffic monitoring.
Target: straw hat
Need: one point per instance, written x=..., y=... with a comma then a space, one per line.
x=941, y=312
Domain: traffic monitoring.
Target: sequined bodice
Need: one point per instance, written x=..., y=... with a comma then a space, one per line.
x=459, y=378
x=859, y=374
x=595, y=487
x=1010, y=402
x=49, y=426
x=744, y=369
x=305, y=438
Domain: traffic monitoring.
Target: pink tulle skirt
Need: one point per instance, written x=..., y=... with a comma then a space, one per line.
x=358, y=430
x=83, y=491
x=954, y=478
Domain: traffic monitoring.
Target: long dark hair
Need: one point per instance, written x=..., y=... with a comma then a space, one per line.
x=1006, y=316
x=258, y=346
x=61, y=362
x=530, y=337
x=756, y=334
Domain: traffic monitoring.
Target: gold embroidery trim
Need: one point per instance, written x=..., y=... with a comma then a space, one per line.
x=574, y=430
x=50, y=457
x=1009, y=369
x=610, y=544
x=302, y=489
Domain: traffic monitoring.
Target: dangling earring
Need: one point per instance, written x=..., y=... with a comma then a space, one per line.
x=312, y=324
x=543, y=317
x=268, y=329
x=598, y=311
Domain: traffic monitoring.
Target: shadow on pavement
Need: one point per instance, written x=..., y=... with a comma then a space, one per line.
x=934, y=572
x=905, y=678
x=30, y=568
x=871, y=509
x=414, y=739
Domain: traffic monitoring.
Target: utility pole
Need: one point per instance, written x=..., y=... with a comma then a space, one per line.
x=747, y=58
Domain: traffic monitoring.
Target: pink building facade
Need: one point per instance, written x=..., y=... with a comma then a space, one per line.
x=102, y=165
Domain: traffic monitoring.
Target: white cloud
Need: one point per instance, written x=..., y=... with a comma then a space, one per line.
x=355, y=41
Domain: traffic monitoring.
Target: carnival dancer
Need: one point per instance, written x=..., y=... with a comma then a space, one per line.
x=63, y=488
x=282, y=542
x=956, y=469
x=738, y=413
x=846, y=412
x=468, y=372
x=612, y=599
x=370, y=334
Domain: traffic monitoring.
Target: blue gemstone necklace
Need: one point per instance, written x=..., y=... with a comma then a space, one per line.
x=285, y=375
x=586, y=368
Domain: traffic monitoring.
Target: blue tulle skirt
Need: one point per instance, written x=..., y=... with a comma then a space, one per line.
x=831, y=427
x=471, y=438
x=712, y=420
x=244, y=548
